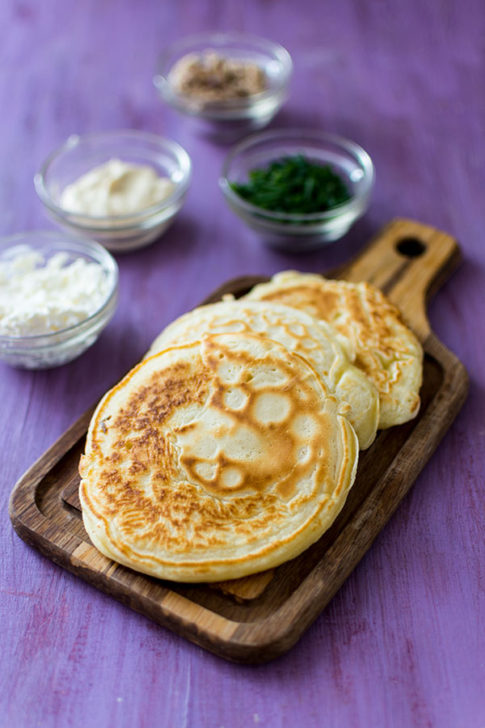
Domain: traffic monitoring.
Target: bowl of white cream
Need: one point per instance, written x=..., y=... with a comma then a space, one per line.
x=121, y=188
x=57, y=293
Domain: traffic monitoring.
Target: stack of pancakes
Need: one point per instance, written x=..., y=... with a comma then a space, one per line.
x=232, y=446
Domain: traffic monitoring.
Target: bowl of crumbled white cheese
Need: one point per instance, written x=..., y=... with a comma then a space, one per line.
x=57, y=293
x=121, y=188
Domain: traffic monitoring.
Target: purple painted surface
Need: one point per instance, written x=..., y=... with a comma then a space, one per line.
x=402, y=644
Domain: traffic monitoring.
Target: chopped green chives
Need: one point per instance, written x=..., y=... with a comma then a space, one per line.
x=294, y=185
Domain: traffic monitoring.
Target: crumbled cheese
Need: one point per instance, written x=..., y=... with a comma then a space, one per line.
x=39, y=296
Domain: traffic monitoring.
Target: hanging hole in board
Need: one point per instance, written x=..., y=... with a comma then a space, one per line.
x=410, y=247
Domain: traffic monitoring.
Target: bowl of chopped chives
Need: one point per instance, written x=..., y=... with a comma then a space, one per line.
x=299, y=189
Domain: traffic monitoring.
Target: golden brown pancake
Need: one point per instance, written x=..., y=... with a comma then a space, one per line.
x=297, y=332
x=215, y=460
x=386, y=350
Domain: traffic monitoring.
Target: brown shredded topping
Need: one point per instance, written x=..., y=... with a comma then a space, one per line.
x=209, y=77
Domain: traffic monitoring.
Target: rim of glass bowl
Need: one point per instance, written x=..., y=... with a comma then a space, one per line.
x=83, y=220
x=64, y=242
x=305, y=136
x=275, y=50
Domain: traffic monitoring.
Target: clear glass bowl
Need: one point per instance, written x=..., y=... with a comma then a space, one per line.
x=293, y=232
x=229, y=119
x=59, y=347
x=79, y=154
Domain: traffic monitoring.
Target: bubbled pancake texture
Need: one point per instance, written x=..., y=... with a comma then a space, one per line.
x=215, y=460
x=385, y=348
x=297, y=332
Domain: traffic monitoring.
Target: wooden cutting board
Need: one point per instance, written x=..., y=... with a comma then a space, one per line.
x=260, y=617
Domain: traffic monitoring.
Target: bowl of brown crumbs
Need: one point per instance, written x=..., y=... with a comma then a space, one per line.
x=231, y=83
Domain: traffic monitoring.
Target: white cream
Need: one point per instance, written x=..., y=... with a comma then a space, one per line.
x=116, y=188
x=40, y=297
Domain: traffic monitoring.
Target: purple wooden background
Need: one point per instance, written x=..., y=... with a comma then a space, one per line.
x=402, y=644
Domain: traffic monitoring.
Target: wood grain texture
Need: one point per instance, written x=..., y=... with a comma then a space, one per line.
x=278, y=605
x=402, y=642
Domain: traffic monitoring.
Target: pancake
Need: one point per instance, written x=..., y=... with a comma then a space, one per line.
x=215, y=460
x=297, y=332
x=386, y=350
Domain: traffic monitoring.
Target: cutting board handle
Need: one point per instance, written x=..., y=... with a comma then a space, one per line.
x=408, y=261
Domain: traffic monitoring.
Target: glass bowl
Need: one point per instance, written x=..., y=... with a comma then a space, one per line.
x=299, y=232
x=41, y=351
x=235, y=117
x=80, y=154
